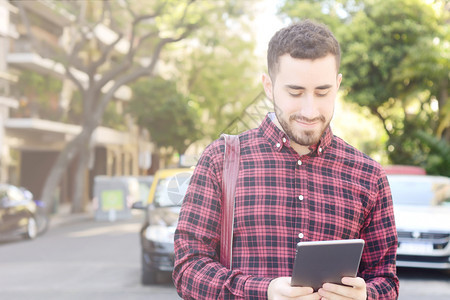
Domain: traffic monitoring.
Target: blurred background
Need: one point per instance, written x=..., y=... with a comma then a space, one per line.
x=100, y=94
x=92, y=88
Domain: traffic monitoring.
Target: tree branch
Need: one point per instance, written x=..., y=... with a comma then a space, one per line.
x=105, y=53
x=75, y=51
x=375, y=111
x=72, y=77
x=181, y=21
x=139, y=19
x=109, y=75
x=117, y=84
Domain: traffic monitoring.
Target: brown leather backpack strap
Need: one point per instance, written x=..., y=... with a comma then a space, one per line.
x=230, y=175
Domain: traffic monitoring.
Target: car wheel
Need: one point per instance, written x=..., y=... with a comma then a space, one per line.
x=149, y=275
x=43, y=224
x=32, y=229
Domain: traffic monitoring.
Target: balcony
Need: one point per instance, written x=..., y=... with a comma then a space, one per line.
x=49, y=11
x=33, y=61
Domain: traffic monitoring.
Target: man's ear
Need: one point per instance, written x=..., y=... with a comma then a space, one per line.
x=339, y=80
x=267, y=84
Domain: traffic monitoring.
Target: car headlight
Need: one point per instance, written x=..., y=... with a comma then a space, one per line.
x=161, y=234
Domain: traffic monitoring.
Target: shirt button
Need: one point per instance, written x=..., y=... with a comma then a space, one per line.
x=300, y=197
x=299, y=162
x=284, y=140
x=278, y=145
x=300, y=235
x=320, y=149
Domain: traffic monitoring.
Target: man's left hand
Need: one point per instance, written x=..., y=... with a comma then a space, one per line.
x=355, y=288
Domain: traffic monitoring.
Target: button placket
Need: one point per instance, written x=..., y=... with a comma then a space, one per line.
x=301, y=193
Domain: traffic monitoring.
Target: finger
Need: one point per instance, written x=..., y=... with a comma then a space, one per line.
x=294, y=292
x=336, y=291
x=356, y=282
x=314, y=296
x=280, y=288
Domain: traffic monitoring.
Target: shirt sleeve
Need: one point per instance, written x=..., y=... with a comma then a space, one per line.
x=198, y=273
x=379, y=232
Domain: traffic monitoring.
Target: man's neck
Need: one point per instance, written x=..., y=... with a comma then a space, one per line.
x=301, y=150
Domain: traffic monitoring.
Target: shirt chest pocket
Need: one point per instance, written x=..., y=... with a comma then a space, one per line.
x=340, y=215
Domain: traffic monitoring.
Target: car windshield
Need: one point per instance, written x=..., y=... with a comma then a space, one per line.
x=170, y=191
x=420, y=191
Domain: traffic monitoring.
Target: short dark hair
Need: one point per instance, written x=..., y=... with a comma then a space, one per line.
x=304, y=40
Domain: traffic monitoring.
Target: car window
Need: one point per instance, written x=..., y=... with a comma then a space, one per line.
x=11, y=194
x=15, y=194
x=171, y=191
x=423, y=192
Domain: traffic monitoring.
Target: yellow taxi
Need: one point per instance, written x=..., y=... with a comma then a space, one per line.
x=162, y=210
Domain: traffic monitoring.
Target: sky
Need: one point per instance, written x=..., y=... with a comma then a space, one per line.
x=266, y=24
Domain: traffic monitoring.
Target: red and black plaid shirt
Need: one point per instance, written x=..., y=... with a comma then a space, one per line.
x=335, y=192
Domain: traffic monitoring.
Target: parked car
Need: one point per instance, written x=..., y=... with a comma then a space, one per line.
x=162, y=210
x=422, y=216
x=19, y=213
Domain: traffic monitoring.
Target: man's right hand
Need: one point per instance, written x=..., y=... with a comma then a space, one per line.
x=280, y=288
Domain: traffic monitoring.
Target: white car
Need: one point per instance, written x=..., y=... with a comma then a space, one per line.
x=422, y=216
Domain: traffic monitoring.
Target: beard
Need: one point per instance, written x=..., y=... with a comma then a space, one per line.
x=301, y=137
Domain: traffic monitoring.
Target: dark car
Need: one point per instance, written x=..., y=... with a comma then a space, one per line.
x=19, y=213
x=162, y=210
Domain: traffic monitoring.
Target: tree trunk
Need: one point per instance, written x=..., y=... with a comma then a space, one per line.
x=80, y=180
x=63, y=161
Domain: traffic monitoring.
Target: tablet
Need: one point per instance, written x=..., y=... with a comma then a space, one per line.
x=326, y=261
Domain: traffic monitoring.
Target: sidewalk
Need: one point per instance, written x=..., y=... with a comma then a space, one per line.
x=65, y=216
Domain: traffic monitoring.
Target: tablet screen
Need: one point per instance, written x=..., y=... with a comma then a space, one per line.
x=326, y=261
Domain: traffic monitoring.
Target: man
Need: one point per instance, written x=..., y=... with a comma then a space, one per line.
x=297, y=182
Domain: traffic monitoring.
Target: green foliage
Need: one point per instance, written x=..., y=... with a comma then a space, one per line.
x=220, y=72
x=438, y=159
x=40, y=96
x=167, y=114
x=395, y=62
x=112, y=118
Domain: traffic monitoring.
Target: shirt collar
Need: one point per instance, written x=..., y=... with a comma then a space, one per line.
x=278, y=139
x=274, y=135
x=324, y=142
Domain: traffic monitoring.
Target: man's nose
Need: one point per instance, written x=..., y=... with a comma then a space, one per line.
x=308, y=108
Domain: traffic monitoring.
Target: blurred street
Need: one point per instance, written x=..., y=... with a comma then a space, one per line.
x=80, y=258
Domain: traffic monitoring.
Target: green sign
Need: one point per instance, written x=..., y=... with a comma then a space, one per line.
x=112, y=200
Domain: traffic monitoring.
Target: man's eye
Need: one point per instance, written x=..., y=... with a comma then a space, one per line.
x=322, y=94
x=296, y=94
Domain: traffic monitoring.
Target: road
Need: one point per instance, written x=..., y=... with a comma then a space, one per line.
x=86, y=259
x=89, y=259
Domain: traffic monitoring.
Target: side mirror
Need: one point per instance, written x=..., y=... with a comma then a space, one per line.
x=28, y=195
x=138, y=205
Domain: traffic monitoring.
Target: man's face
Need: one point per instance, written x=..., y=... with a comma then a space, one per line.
x=303, y=94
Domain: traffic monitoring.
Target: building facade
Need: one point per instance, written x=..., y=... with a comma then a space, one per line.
x=39, y=111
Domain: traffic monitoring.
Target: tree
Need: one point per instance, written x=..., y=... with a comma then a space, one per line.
x=395, y=62
x=213, y=80
x=169, y=115
x=220, y=72
x=145, y=28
